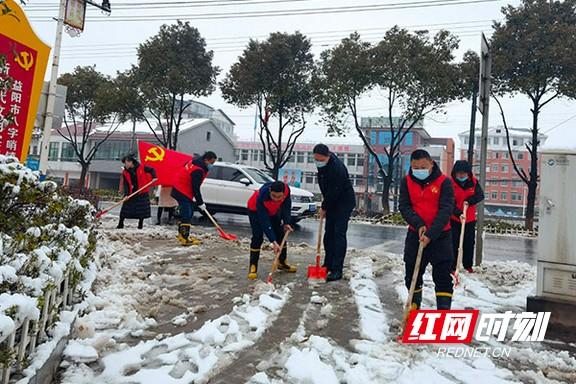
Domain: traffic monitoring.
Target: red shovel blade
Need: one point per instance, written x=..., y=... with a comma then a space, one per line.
x=227, y=236
x=100, y=214
x=316, y=272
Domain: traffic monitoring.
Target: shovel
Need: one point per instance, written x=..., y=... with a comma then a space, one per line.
x=105, y=211
x=317, y=272
x=455, y=277
x=277, y=258
x=224, y=235
x=408, y=305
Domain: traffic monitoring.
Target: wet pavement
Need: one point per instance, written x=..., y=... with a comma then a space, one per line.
x=376, y=237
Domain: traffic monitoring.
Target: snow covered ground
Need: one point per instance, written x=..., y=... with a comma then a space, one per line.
x=160, y=313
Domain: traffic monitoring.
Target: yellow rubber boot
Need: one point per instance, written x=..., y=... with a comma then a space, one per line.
x=184, y=236
x=253, y=274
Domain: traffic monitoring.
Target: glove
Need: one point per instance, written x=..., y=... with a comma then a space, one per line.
x=276, y=247
x=202, y=207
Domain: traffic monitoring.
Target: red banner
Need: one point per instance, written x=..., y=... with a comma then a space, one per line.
x=26, y=57
x=166, y=162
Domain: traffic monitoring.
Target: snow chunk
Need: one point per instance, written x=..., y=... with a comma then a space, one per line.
x=80, y=353
x=306, y=367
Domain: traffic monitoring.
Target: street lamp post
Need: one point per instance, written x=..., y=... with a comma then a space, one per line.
x=51, y=101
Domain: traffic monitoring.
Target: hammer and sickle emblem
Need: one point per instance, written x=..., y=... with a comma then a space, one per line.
x=155, y=154
x=25, y=60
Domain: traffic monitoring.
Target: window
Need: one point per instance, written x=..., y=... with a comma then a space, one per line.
x=493, y=182
x=504, y=183
x=244, y=155
x=496, y=140
x=360, y=161
x=112, y=150
x=230, y=174
x=310, y=158
x=515, y=142
x=300, y=157
x=261, y=156
x=68, y=153
x=351, y=160
x=255, y=155
x=208, y=135
x=494, y=167
x=504, y=196
x=35, y=150
x=497, y=155
x=309, y=179
x=258, y=176
x=516, y=196
x=53, y=151
x=494, y=196
x=466, y=140
x=506, y=155
x=505, y=168
x=520, y=156
x=517, y=183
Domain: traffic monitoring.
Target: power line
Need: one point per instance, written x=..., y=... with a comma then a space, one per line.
x=308, y=34
x=284, y=12
x=172, y=5
x=131, y=51
x=560, y=124
x=314, y=39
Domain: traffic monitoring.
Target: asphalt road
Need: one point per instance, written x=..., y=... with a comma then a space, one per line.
x=378, y=237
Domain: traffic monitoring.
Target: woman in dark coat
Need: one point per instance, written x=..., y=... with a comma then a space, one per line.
x=134, y=176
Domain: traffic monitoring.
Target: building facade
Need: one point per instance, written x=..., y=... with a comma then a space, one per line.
x=505, y=192
x=301, y=170
x=196, y=136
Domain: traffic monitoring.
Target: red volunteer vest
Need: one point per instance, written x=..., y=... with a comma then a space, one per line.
x=142, y=176
x=183, y=182
x=425, y=200
x=460, y=195
x=271, y=206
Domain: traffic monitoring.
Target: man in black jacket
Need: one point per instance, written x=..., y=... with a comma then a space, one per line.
x=338, y=203
x=426, y=203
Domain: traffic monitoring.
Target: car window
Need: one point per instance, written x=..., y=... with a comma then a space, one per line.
x=231, y=174
x=258, y=176
x=215, y=172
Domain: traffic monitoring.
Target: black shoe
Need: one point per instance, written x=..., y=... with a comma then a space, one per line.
x=158, y=223
x=333, y=276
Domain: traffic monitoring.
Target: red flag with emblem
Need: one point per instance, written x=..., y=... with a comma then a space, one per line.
x=166, y=162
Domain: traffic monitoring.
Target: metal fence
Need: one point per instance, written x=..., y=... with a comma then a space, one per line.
x=18, y=346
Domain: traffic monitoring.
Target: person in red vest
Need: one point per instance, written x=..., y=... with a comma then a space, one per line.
x=186, y=191
x=426, y=203
x=269, y=211
x=135, y=176
x=466, y=189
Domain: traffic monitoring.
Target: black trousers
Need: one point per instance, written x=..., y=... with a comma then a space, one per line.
x=469, y=243
x=335, y=241
x=258, y=236
x=438, y=253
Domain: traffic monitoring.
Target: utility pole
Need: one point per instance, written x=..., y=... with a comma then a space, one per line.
x=472, y=126
x=51, y=101
x=485, y=84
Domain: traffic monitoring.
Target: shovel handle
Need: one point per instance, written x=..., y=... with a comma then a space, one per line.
x=461, y=242
x=415, y=274
x=105, y=211
x=319, y=241
x=277, y=256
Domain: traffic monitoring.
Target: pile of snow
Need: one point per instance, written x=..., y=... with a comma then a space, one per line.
x=43, y=236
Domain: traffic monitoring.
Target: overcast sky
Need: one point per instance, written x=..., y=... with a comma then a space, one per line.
x=110, y=43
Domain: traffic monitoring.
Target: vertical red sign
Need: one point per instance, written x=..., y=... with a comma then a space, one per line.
x=15, y=101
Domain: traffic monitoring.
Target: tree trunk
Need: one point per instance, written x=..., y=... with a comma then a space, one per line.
x=533, y=181
x=387, y=182
x=83, y=174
